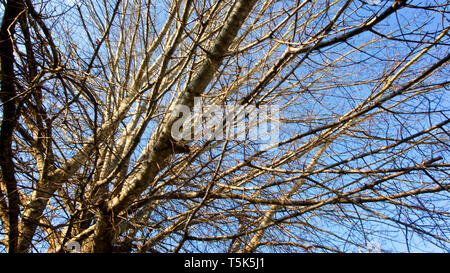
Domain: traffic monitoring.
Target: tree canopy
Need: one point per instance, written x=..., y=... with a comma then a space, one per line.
x=355, y=94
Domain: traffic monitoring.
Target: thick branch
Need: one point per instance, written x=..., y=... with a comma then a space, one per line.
x=8, y=97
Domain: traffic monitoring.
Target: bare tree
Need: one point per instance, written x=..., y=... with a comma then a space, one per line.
x=89, y=90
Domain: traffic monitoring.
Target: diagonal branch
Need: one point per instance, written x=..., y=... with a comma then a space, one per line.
x=161, y=148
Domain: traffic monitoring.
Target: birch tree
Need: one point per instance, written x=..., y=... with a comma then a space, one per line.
x=88, y=156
